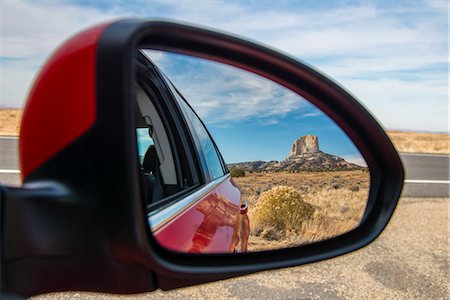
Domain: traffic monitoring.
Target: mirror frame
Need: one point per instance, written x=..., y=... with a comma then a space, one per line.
x=386, y=171
x=86, y=226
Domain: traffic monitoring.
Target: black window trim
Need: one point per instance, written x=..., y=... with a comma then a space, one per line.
x=150, y=80
x=177, y=114
x=146, y=84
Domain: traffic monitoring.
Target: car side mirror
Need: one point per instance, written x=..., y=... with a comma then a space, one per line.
x=81, y=216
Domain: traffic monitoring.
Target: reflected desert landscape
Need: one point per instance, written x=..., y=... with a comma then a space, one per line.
x=289, y=209
x=307, y=197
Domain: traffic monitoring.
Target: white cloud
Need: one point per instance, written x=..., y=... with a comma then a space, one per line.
x=222, y=94
x=402, y=105
x=30, y=31
x=312, y=114
x=392, y=56
x=36, y=28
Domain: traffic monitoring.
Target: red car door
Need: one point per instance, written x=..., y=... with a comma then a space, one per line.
x=208, y=220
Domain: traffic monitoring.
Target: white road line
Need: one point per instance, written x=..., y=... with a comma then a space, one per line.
x=8, y=171
x=424, y=154
x=427, y=181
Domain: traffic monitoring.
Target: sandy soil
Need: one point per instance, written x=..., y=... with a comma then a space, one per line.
x=420, y=142
x=10, y=121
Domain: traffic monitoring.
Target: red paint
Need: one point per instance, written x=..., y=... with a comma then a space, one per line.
x=244, y=208
x=62, y=103
x=212, y=225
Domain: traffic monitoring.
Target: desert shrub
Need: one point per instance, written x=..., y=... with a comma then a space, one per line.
x=354, y=188
x=236, y=172
x=281, y=207
x=335, y=185
x=272, y=234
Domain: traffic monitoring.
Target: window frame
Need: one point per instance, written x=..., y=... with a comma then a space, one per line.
x=165, y=97
x=182, y=146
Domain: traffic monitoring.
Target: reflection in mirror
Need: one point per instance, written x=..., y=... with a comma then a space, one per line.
x=300, y=177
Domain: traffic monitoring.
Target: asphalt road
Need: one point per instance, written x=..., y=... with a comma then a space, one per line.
x=9, y=165
x=427, y=175
x=9, y=151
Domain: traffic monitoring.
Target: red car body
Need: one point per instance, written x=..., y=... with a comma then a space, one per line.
x=211, y=225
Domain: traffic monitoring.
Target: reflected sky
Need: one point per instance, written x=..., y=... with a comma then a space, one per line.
x=250, y=118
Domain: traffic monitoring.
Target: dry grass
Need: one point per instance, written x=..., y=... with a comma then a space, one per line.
x=10, y=121
x=338, y=211
x=338, y=200
x=420, y=142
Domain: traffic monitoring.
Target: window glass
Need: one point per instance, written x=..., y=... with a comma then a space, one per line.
x=210, y=154
x=143, y=142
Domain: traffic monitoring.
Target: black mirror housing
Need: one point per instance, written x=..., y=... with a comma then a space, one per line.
x=79, y=217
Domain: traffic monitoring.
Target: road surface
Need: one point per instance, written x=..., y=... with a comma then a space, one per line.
x=427, y=175
x=9, y=166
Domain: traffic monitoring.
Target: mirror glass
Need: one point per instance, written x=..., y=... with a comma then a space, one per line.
x=257, y=167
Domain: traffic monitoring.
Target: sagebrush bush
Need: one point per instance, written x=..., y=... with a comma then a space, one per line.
x=235, y=172
x=281, y=207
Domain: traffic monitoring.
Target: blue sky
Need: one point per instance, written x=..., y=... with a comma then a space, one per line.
x=250, y=117
x=392, y=55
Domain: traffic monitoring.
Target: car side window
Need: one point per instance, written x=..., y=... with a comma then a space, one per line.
x=207, y=146
x=158, y=172
x=144, y=141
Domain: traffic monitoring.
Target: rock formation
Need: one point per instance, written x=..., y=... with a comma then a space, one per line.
x=307, y=144
x=305, y=155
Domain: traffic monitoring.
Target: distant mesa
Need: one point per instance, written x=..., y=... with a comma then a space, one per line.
x=307, y=144
x=305, y=155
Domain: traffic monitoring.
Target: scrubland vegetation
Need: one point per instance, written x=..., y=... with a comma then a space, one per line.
x=290, y=209
x=420, y=142
x=235, y=172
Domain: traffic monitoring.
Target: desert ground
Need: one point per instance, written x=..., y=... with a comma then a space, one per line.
x=420, y=142
x=10, y=121
x=290, y=209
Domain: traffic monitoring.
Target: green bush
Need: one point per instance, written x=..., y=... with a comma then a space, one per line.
x=235, y=172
